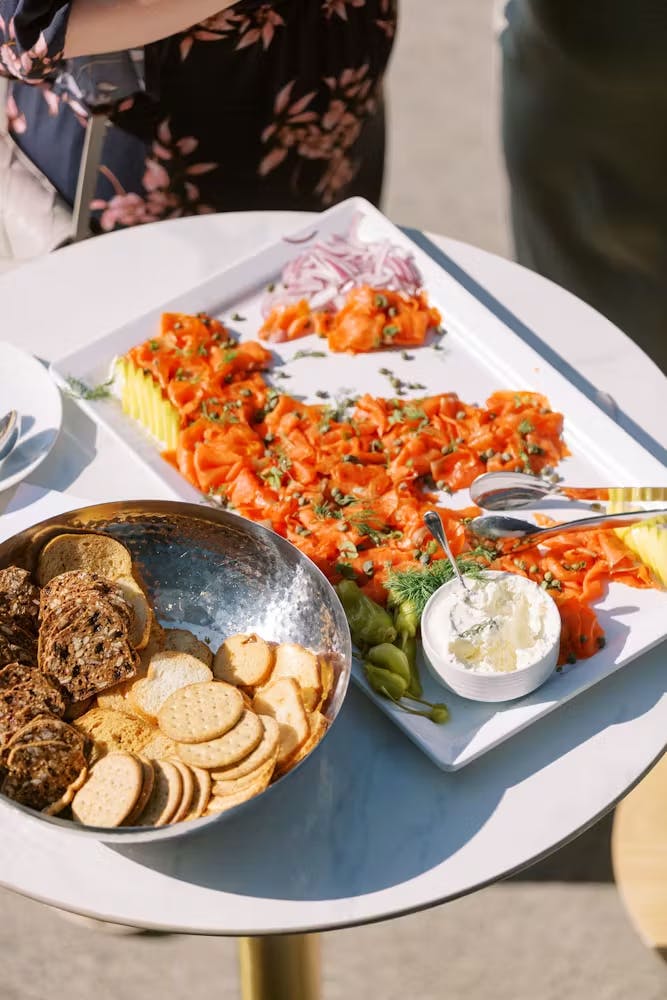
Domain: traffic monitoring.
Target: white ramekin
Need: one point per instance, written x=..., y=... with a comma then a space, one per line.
x=489, y=687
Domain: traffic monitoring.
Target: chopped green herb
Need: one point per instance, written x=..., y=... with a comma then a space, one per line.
x=346, y=571
x=79, y=390
x=525, y=427
x=406, y=356
x=309, y=354
x=237, y=319
x=154, y=345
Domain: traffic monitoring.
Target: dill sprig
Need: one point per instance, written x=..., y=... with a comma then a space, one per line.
x=417, y=585
x=79, y=390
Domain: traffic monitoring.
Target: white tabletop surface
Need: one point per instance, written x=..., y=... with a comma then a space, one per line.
x=368, y=828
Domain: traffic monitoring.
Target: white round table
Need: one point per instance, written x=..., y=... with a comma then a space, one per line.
x=369, y=829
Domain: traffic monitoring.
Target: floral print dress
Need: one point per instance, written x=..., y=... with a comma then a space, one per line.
x=263, y=106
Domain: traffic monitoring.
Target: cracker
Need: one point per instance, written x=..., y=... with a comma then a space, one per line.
x=258, y=779
x=221, y=803
x=10, y=652
x=15, y=635
x=200, y=712
x=159, y=747
x=233, y=746
x=142, y=616
x=282, y=699
x=99, y=554
x=23, y=701
x=19, y=598
x=167, y=672
x=202, y=794
x=265, y=750
x=246, y=660
x=40, y=774
x=165, y=797
x=68, y=795
x=76, y=709
x=318, y=726
x=327, y=678
x=302, y=664
x=45, y=728
x=114, y=731
x=187, y=793
x=91, y=654
x=111, y=791
x=183, y=641
x=145, y=793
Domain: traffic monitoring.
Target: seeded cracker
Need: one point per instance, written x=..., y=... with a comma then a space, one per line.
x=41, y=773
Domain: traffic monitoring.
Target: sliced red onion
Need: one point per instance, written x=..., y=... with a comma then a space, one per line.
x=325, y=272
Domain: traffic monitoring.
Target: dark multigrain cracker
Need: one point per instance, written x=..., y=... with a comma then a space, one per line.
x=19, y=598
x=91, y=654
x=25, y=700
x=10, y=652
x=80, y=585
x=42, y=773
x=43, y=729
x=20, y=638
x=73, y=611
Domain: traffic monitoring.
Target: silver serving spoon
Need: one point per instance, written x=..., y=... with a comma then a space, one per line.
x=514, y=490
x=497, y=527
x=9, y=432
x=434, y=524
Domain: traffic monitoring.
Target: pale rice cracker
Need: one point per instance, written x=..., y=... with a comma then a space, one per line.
x=200, y=712
x=282, y=700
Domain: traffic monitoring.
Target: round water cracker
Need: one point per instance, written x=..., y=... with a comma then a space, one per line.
x=165, y=797
x=187, y=794
x=202, y=792
x=258, y=779
x=200, y=712
x=146, y=791
x=111, y=791
x=233, y=746
x=265, y=750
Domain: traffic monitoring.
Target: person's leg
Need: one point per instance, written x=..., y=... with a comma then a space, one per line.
x=586, y=154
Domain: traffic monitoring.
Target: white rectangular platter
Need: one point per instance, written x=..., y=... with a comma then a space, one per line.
x=481, y=355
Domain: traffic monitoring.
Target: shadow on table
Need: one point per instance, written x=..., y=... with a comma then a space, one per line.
x=529, y=337
x=293, y=843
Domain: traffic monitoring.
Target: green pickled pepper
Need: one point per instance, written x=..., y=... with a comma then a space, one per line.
x=408, y=645
x=406, y=618
x=391, y=658
x=369, y=623
x=385, y=682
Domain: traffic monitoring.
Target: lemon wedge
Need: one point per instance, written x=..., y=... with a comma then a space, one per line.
x=647, y=540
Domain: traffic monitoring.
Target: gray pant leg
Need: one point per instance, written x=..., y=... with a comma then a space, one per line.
x=585, y=144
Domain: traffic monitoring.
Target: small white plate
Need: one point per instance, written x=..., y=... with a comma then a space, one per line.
x=27, y=387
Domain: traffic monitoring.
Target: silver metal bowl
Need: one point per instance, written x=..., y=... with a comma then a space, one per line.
x=217, y=574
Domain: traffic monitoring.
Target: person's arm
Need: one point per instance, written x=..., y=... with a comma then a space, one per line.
x=97, y=26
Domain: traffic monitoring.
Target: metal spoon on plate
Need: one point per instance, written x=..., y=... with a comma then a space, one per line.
x=9, y=432
x=526, y=533
x=514, y=490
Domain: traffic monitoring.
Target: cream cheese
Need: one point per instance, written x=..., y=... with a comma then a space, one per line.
x=497, y=625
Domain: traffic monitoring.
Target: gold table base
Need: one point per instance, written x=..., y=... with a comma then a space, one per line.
x=280, y=967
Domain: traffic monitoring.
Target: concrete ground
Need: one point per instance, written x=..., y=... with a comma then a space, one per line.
x=559, y=929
